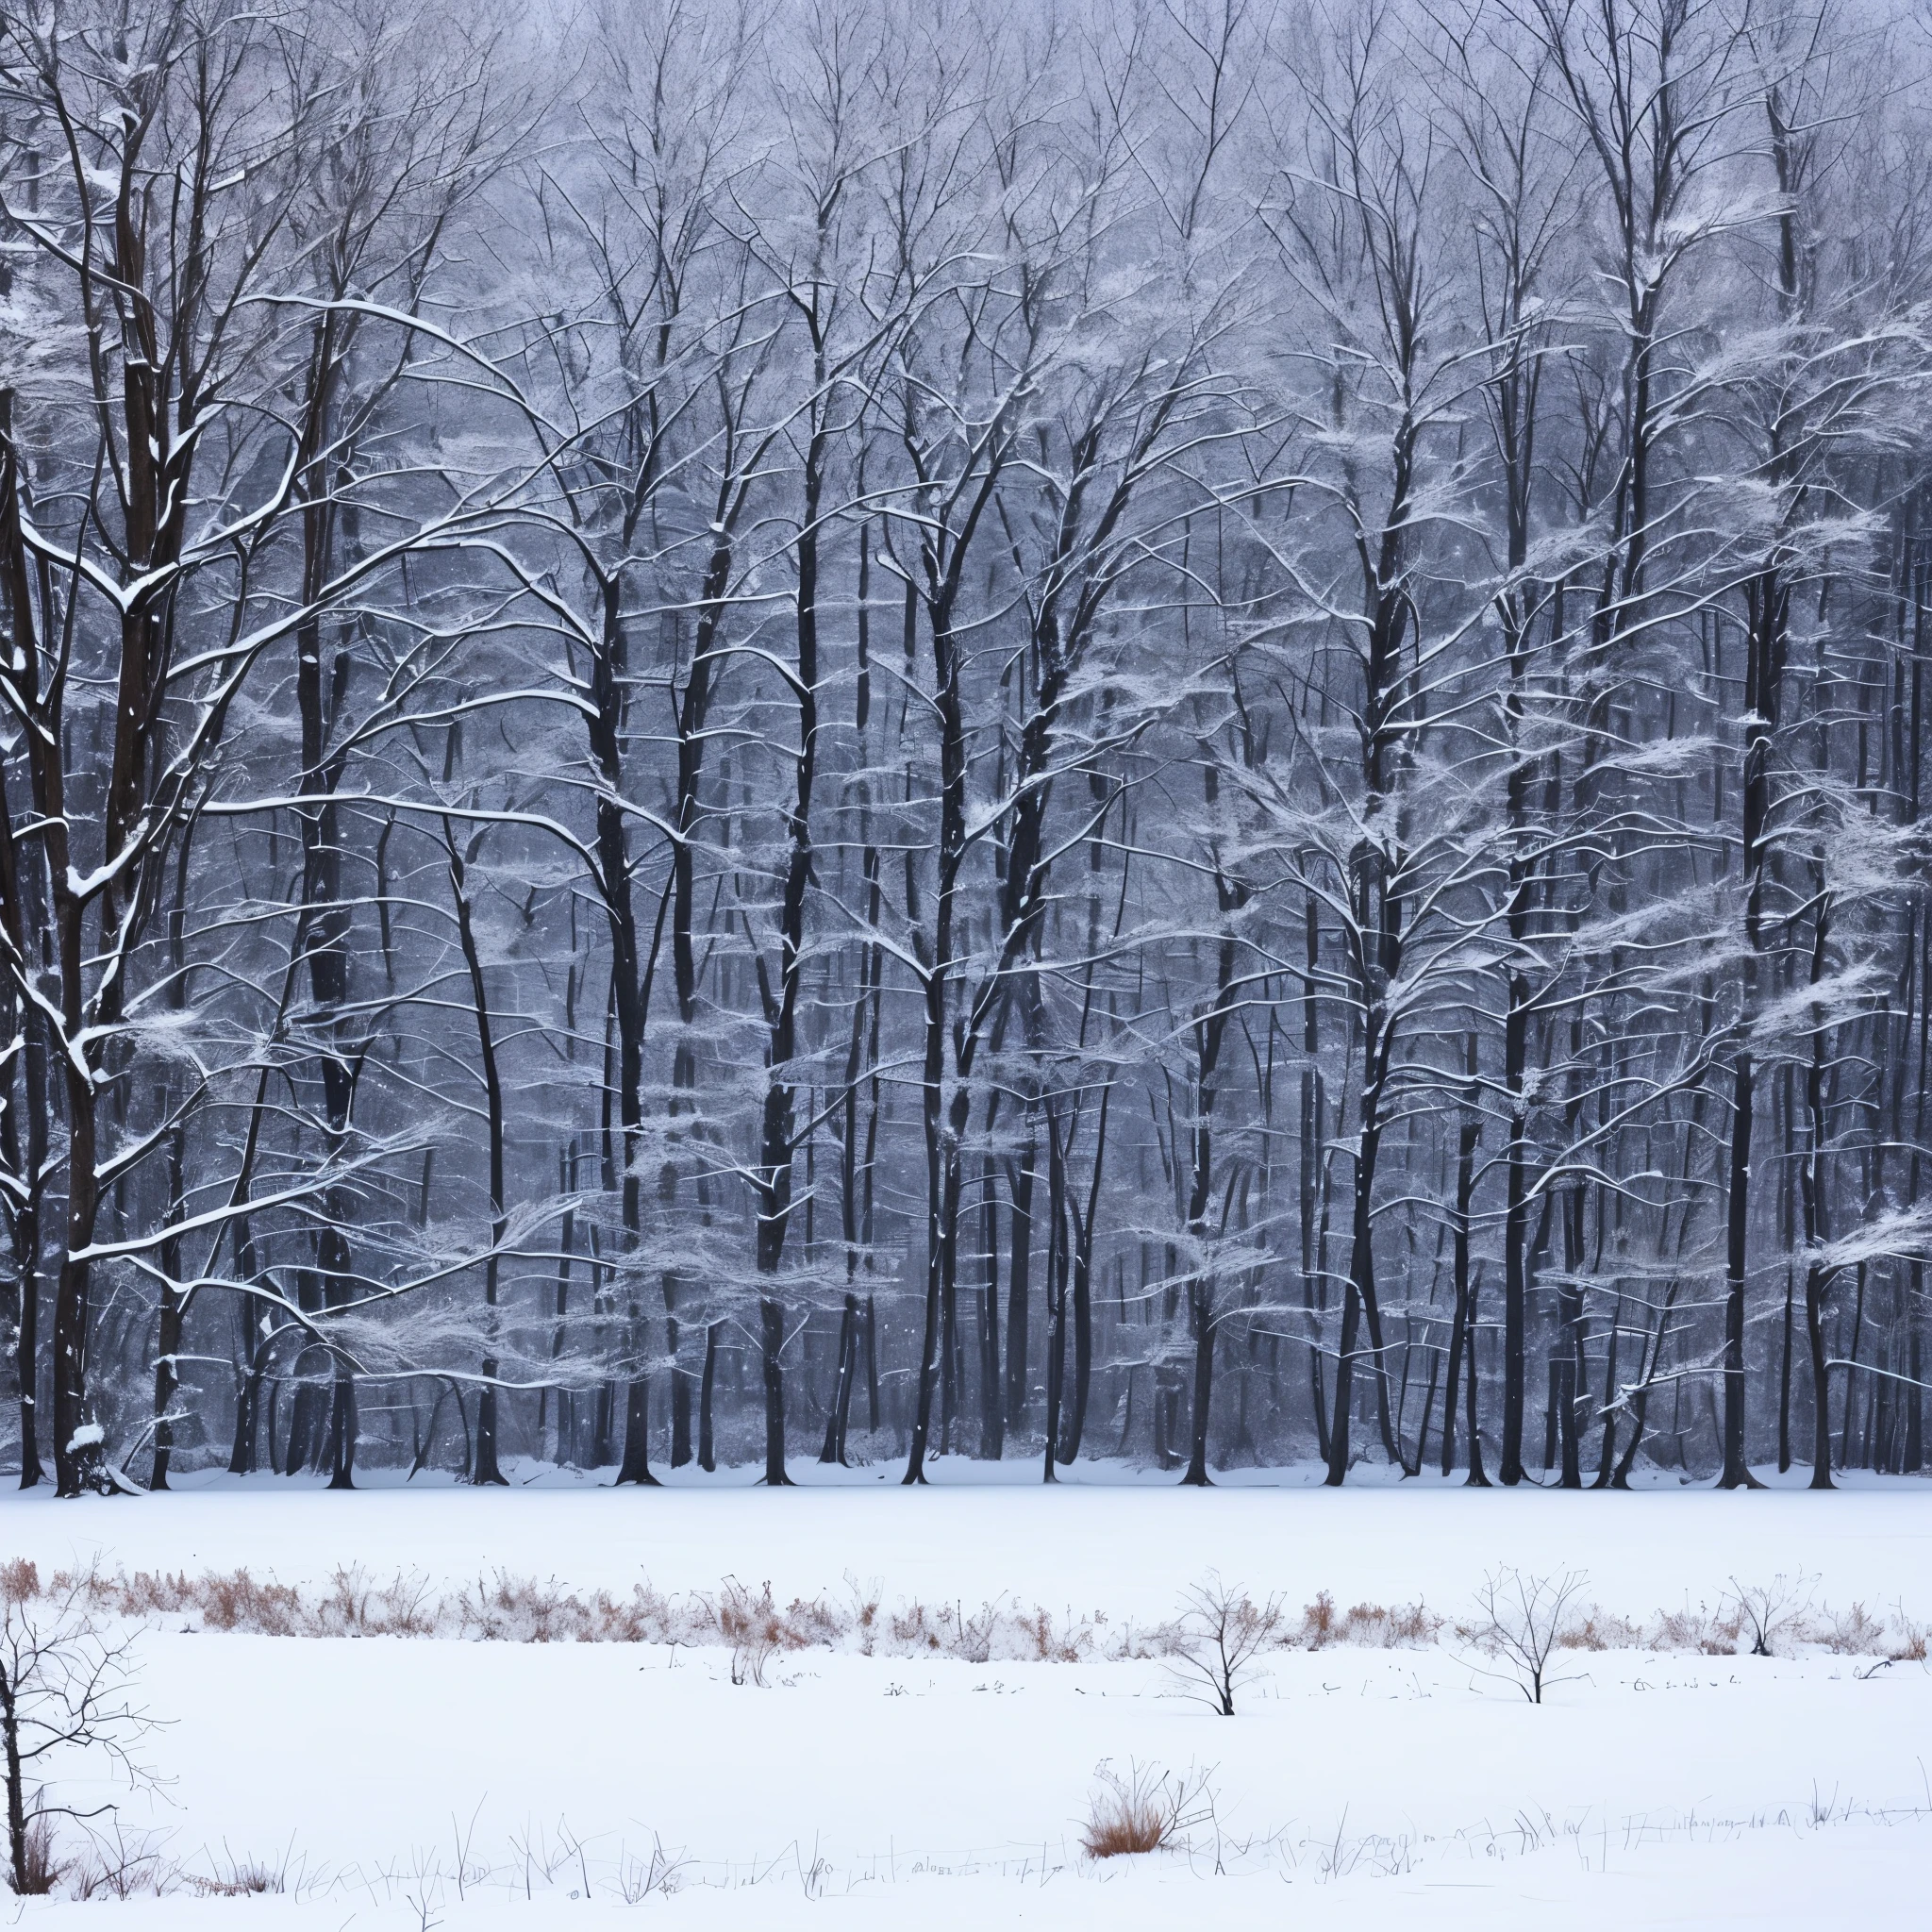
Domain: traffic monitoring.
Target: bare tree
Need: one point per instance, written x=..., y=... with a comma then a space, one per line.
x=1248, y=683
x=66, y=1693
x=1521, y=1622
x=1223, y=1631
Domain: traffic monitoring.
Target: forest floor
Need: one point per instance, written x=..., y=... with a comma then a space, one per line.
x=415, y=1781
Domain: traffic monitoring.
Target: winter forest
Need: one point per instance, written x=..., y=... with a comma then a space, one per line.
x=866, y=732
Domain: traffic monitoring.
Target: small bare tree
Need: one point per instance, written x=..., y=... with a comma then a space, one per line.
x=1521, y=1623
x=64, y=1690
x=1768, y=1611
x=1221, y=1631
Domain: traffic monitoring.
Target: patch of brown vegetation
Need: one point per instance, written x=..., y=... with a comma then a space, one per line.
x=757, y=1628
x=1142, y=1810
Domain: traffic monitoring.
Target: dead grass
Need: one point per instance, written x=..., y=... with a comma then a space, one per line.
x=1695, y=1632
x=1858, y=1633
x=1140, y=1809
x=1600, y=1629
x=757, y=1629
x=46, y=1868
x=241, y=1878
x=1123, y=1827
x=1911, y=1643
x=122, y=1866
x=1373, y=1626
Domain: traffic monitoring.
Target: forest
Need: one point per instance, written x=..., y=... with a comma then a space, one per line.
x=757, y=733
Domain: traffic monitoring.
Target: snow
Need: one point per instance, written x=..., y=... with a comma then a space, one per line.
x=1365, y=1787
x=1108, y=1541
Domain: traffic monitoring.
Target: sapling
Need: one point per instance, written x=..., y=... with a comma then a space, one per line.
x=1221, y=1631
x=1768, y=1611
x=65, y=1684
x=1521, y=1621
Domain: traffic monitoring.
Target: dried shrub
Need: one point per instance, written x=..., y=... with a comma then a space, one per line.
x=974, y=1634
x=1145, y=1809
x=1700, y=1631
x=42, y=1868
x=813, y=1624
x=660, y=1874
x=238, y=1602
x=1038, y=1632
x=864, y=1622
x=122, y=1867
x=1317, y=1622
x=352, y=1605
x=519, y=1609
x=754, y=1628
x=646, y=1618
x=912, y=1631
x=1378, y=1626
x=1856, y=1633
x=1066, y=1646
x=1599, y=1629
x=1412, y=1624
x=513, y=1609
x=234, y=1877
x=522, y=1609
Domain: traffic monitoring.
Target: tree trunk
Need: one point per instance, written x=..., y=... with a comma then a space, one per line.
x=1201, y=1321
x=771, y=1337
x=1019, y=1279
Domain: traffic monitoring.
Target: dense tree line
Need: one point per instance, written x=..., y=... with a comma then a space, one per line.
x=1187, y=731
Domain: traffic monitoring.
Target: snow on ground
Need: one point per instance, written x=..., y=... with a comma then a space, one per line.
x=1098, y=1543
x=1365, y=1787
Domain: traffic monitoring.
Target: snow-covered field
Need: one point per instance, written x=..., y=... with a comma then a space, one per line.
x=412, y=1781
